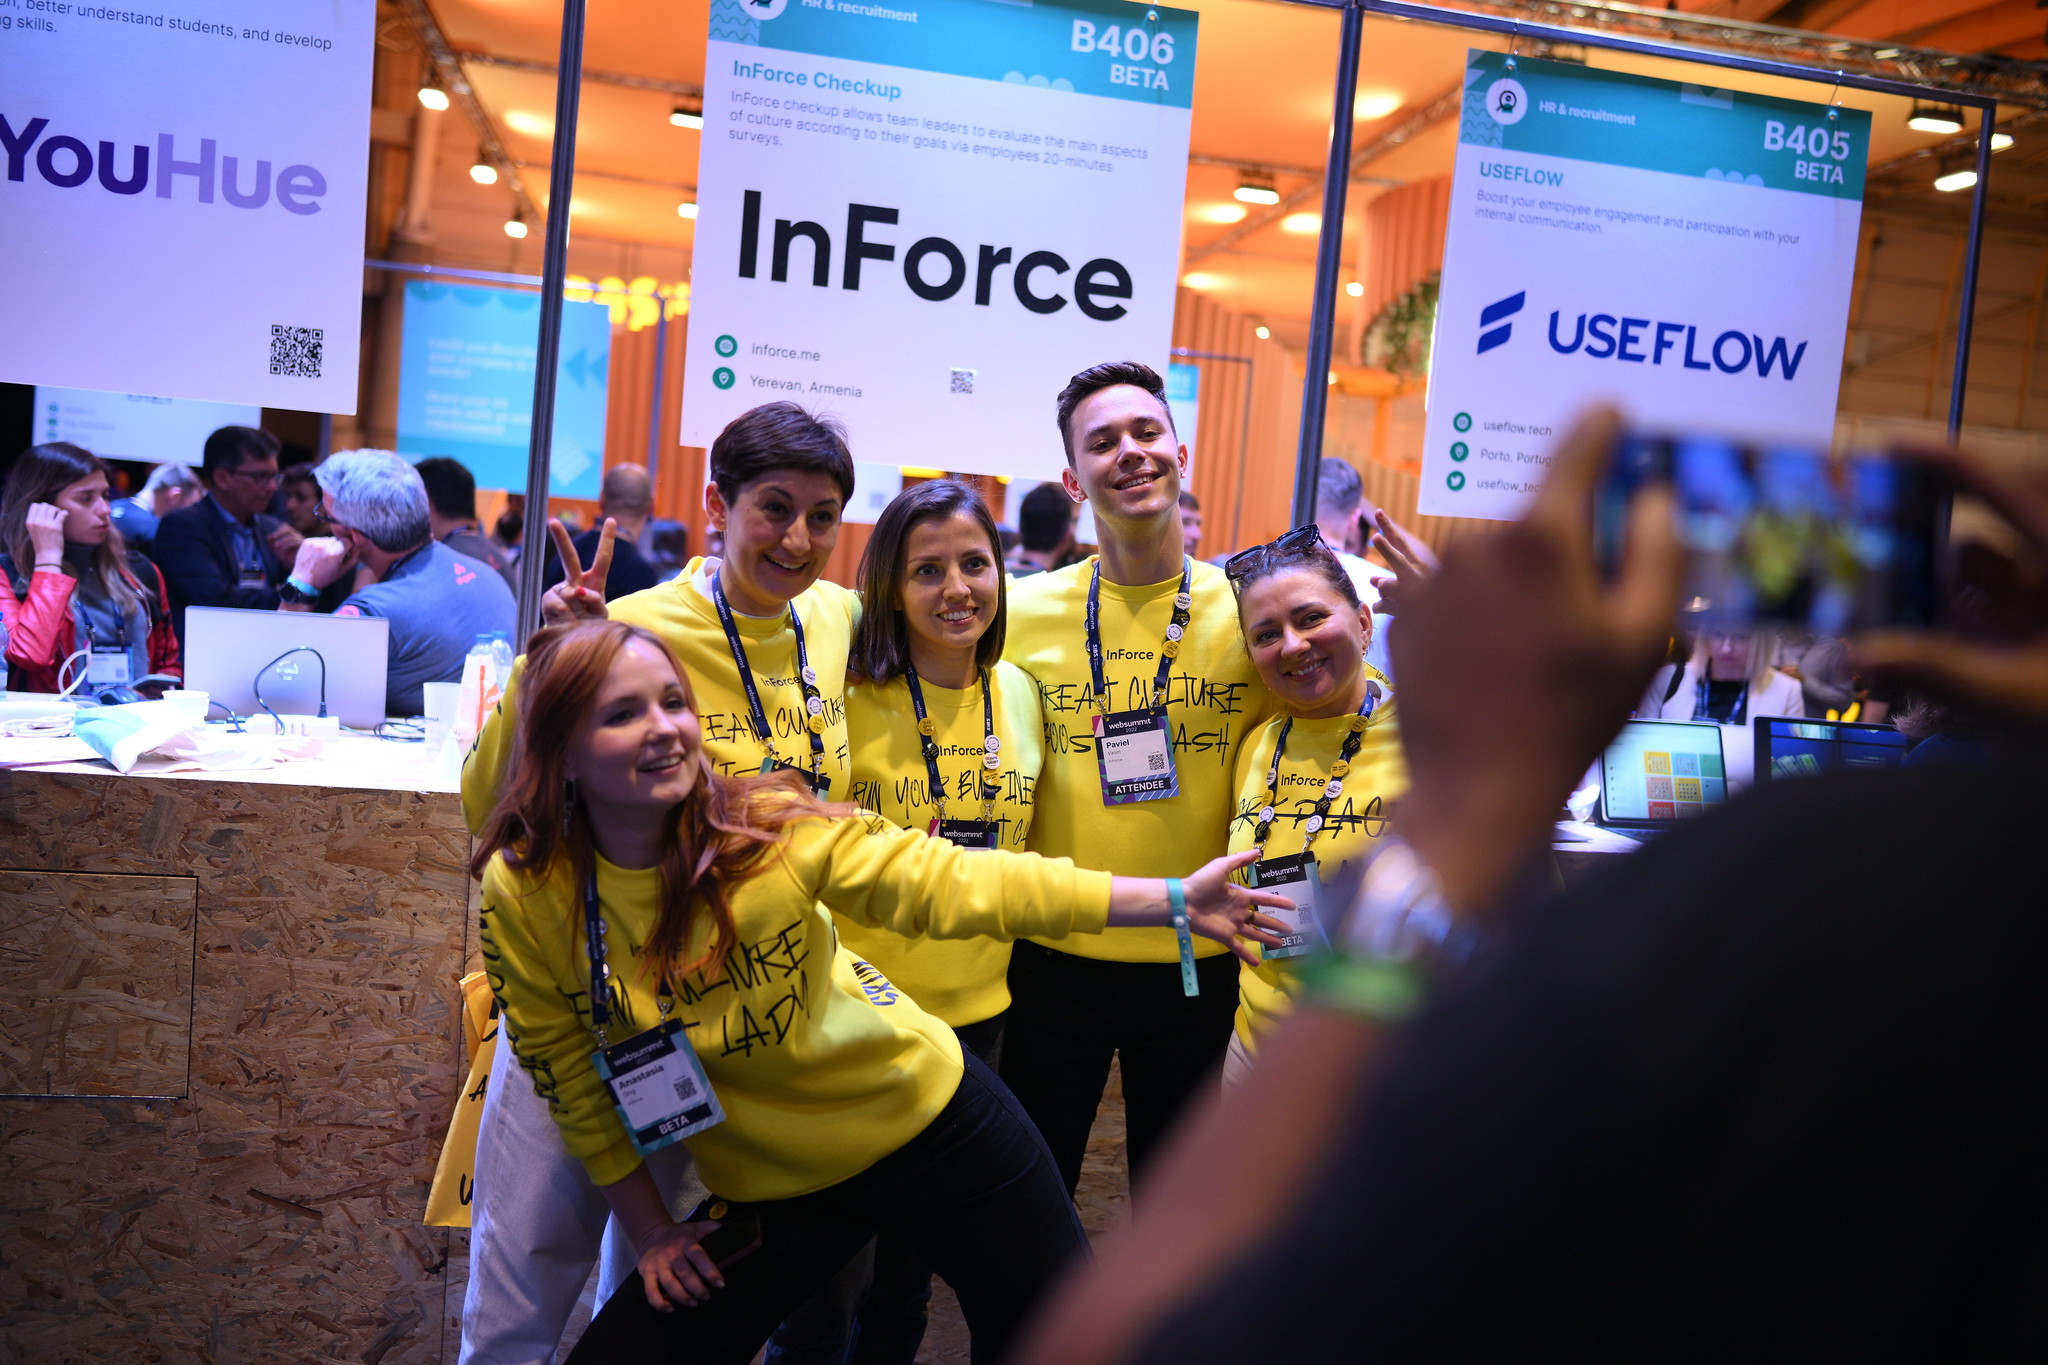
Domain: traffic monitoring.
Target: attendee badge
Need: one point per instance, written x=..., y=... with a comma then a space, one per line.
x=966, y=833
x=820, y=784
x=659, y=1088
x=252, y=576
x=1135, y=755
x=1296, y=878
x=107, y=668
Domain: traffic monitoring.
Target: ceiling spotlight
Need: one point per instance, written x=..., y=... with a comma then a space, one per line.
x=515, y=227
x=1263, y=333
x=1201, y=279
x=1374, y=104
x=1221, y=213
x=2000, y=141
x=1955, y=180
x=431, y=93
x=1930, y=118
x=1257, y=189
x=483, y=172
x=687, y=209
x=689, y=115
x=1355, y=290
x=1302, y=224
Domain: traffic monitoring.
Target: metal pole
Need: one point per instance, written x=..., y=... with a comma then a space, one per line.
x=1966, y=319
x=1315, y=390
x=533, y=539
x=660, y=375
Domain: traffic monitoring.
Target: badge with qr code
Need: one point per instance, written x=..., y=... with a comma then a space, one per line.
x=658, y=1087
x=1134, y=752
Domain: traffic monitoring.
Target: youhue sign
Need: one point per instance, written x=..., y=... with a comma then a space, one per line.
x=181, y=194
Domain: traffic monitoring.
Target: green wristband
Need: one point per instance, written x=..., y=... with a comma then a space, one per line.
x=1375, y=988
x=1177, y=915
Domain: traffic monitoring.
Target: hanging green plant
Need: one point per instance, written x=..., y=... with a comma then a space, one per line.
x=1398, y=339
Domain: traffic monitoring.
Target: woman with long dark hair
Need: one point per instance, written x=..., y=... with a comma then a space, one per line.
x=76, y=603
x=659, y=938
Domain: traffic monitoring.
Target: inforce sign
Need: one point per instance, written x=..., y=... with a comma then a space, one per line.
x=68, y=162
x=934, y=268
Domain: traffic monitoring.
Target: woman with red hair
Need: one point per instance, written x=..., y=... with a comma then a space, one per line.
x=660, y=938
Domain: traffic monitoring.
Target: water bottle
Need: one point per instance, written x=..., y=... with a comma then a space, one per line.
x=501, y=650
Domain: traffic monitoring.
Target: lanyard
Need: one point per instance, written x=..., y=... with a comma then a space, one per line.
x=1331, y=790
x=991, y=746
x=1738, y=713
x=1182, y=601
x=814, y=705
x=600, y=969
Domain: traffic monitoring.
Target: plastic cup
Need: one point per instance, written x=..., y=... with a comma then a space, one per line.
x=443, y=700
x=193, y=704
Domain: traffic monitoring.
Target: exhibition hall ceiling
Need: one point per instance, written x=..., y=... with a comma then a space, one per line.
x=1263, y=80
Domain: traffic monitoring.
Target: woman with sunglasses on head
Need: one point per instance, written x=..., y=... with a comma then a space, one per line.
x=660, y=939
x=75, y=603
x=1316, y=784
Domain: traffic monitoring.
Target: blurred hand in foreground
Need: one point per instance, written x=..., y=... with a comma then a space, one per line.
x=1411, y=559
x=1518, y=662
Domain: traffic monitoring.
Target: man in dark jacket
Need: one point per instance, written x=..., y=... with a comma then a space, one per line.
x=225, y=550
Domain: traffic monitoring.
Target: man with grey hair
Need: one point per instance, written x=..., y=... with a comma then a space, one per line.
x=437, y=600
x=168, y=487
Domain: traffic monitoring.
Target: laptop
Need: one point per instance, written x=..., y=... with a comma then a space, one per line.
x=231, y=653
x=1794, y=748
x=1658, y=772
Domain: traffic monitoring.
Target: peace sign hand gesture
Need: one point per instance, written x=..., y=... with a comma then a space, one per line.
x=580, y=594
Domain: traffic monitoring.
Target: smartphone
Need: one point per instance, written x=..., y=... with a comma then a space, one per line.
x=737, y=1236
x=1787, y=535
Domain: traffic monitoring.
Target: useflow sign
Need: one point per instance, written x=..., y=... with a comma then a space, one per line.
x=1685, y=253
x=924, y=219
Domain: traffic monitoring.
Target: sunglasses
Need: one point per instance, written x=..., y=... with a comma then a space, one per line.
x=1245, y=563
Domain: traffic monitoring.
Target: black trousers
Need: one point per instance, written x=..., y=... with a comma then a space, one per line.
x=1070, y=1015
x=975, y=1193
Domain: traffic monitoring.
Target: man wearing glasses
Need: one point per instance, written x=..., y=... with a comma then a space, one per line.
x=226, y=550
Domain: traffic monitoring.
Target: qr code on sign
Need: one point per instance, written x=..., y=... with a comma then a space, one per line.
x=1156, y=762
x=295, y=351
x=963, y=381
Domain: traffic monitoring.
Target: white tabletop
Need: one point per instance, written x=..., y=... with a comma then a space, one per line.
x=353, y=760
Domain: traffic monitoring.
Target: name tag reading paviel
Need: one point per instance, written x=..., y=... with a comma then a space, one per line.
x=658, y=1086
x=107, y=668
x=1296, y=878
x=966, y=833
x=1136, y=757
x=820, y=784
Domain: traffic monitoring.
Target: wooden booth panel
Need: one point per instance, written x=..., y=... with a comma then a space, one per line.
x=272, y=1213
x=96, y=983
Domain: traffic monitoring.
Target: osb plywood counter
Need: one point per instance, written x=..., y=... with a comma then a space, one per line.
x=229, y=1042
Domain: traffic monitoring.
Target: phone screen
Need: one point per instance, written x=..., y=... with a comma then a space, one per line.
x=1786, y=535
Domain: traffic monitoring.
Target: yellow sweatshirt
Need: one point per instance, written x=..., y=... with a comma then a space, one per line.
x=822, y=1066
x=681, y=613
x=1357, y=821
x=1214, y=699
x=962, y=981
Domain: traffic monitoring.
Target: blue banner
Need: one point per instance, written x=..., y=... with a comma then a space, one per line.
x=465, y=384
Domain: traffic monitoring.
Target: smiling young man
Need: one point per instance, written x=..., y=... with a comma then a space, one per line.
x=764, y=642
x=1134, y=781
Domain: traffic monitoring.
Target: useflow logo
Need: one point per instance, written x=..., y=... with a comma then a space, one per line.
x=1494, y=312
x=1607, y=336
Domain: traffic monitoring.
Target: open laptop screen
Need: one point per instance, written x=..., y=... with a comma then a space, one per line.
x=1658, y=771
x=1807, y=748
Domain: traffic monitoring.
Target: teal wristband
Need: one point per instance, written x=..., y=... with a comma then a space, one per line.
x=1177, y=915
x=300, y=585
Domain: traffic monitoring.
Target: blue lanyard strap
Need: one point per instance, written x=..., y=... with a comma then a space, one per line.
x=600, y=969
x=814, y=704
x=1183, y=603
x=928, y=744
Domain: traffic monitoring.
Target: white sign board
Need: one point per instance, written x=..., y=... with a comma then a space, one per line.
x=925, y=220
x=182, y=198
x=1682, y=252
x=135, y=426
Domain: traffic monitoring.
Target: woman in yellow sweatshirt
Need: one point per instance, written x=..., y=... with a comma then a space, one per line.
x=659, y=940
x=1316, y=784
